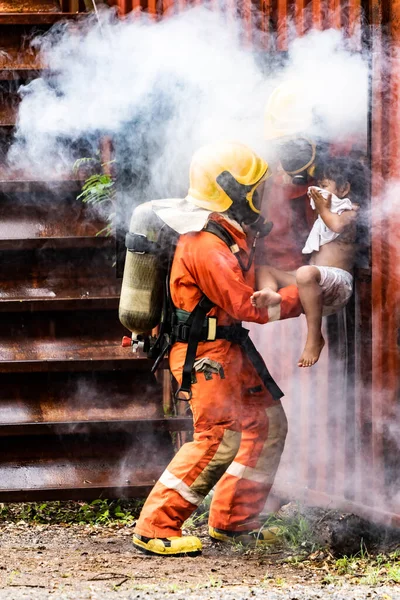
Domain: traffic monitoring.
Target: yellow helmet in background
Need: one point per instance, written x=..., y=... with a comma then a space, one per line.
x=288, y=119
x=288, y=111
x=224, y=174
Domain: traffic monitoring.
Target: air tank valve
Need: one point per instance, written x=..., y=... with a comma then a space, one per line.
x=139, y=343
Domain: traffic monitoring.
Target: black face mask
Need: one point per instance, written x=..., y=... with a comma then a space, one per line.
x=301, y=178
x=240, y=209
x=261, y=227
x=296, y=157
x=242, y=213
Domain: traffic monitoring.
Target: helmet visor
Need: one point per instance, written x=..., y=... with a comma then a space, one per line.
x=254, y=197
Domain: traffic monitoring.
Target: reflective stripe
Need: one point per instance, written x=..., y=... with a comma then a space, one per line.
x=242, y=472
x=174, y=483
x=212, y=328
x=274, y=313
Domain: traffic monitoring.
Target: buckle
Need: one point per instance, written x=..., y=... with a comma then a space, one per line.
x=183, y=332
x=185, y=395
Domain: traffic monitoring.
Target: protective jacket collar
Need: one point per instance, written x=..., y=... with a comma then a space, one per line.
x=183, y=216
x=180, y=214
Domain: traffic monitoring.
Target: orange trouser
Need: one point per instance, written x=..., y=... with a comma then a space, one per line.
x=239, y=435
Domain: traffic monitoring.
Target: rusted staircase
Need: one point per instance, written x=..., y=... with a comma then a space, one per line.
x=80, y=416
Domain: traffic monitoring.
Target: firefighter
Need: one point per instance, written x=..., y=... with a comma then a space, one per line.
x=288, y=123
x=239, y=423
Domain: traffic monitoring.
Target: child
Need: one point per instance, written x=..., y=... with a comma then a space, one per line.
x=326, y=284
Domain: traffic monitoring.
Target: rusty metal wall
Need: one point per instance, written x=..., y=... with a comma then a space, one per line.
x=343, y=416
x=341, y=447
x=343, y=413
x=80, y=416
x=385, y=160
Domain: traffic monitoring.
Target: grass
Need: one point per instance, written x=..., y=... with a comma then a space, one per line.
x=98, y=512
x=295, y=532
x=370, y=570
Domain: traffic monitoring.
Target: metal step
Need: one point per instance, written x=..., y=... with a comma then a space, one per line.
x=80, y=416
x=30, y=6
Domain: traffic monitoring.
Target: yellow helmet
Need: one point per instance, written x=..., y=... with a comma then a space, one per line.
x=288, y=118
x=288, y=111
x=225, y=173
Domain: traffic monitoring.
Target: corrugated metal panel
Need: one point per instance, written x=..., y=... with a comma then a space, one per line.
x=69, y=390
x=343, y=416
x=385, y=251
x=340, y=449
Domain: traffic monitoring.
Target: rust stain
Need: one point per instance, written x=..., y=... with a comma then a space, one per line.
x=26, y=6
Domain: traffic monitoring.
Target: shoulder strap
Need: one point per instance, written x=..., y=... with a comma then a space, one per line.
x=224, y=235
x=196, y=318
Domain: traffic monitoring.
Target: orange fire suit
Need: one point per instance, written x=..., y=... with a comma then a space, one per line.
x=239, y=429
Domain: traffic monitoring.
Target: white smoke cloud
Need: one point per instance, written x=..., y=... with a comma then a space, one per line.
x=185, y=81
x=335, y=83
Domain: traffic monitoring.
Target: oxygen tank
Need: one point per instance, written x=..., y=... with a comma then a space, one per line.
x=141, y=299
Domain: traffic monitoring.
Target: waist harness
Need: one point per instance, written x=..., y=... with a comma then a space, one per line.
x=195, y=327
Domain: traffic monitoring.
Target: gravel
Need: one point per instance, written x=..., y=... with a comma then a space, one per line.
x=344, y=592
x=82, y=562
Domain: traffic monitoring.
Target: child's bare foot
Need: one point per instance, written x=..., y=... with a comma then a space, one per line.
x=311, y=352
x=265, y=297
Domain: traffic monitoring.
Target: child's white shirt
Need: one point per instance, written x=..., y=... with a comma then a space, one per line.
x=320, y=234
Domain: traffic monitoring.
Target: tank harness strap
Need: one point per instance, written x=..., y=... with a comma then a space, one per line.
x=224, y=235
x=261, y=368
x=136, y=242
x=198, y=327
x=195, y=328
x=232, y=333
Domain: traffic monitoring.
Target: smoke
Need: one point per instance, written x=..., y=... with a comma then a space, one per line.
x=164, y=89
x=161, y=90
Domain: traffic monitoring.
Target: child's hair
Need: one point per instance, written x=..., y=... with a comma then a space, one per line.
x=343, y=170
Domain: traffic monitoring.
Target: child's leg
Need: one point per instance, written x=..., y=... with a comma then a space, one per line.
x=310, y=293
x=268, y=282
x=272, y=278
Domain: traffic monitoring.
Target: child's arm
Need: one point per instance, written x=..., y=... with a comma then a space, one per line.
x=335, y=222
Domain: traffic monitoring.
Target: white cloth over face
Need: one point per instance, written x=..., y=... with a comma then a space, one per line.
x=320, y=234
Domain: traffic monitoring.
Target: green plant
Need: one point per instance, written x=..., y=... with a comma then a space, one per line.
x=330, y=579
x=295, y=531
x=97, y=512
x=370, y=570
x=98, y=188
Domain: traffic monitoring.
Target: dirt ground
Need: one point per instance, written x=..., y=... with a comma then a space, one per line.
x=86, y=561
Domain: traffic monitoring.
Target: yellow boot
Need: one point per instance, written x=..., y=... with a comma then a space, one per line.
x=173, y=546
x=259, y=537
